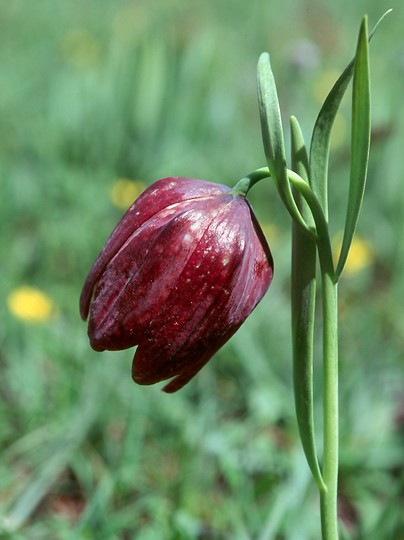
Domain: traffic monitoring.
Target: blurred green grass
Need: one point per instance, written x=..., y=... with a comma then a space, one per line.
x=95, y=91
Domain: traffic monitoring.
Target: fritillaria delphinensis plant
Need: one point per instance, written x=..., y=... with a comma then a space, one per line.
x=188, y=263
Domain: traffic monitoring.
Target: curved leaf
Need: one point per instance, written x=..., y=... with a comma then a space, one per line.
x=320, y=141
x=272, y=135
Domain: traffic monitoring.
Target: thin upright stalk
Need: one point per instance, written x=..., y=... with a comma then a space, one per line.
x=328, y=497
x=327, y=479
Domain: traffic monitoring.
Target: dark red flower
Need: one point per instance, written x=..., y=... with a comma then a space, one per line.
x=179, y=274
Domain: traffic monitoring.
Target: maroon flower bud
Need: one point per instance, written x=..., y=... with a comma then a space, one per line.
x=179, y=274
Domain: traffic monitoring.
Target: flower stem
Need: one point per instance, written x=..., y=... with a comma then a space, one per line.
x=328, y=493
x=328, y=480
x=328, y=497
x=245, y=184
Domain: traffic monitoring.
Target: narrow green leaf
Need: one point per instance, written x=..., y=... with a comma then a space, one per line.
x=303, y=311
x=360, y=142
x=272, y=136
x=320, y=141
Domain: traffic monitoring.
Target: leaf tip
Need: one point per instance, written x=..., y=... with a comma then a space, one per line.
x=293, y=121
x=263, y=58
x=379, y=22
x=364, y=26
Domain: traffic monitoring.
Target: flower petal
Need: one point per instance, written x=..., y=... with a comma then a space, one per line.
x=217, y=290
x=136, y=283
x=155, y=198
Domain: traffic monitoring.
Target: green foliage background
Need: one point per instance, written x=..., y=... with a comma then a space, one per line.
x=93, y=91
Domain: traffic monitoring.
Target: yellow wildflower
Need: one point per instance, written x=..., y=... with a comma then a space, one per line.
x=361, y=255
x=125, y=191
x=30, y=304
x=80, y=48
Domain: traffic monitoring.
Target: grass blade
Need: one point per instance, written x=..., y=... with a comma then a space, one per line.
x=360, y=142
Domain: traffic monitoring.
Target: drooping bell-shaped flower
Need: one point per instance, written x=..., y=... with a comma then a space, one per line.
x=179, y=274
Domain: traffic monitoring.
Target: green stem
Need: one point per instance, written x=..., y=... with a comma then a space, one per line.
x=245, y=184
x=322, y=236
x=328, y=497
x=328, y=481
